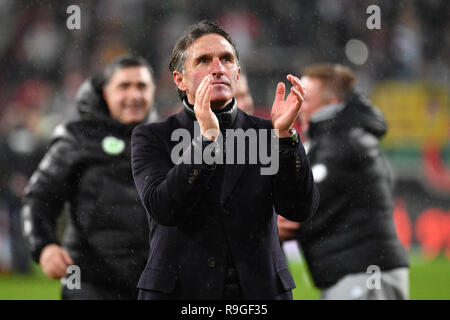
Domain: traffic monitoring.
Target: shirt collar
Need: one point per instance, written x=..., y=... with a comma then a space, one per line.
x=226, y=115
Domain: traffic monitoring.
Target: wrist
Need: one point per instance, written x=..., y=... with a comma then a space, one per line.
x=292, y=139
x=284, y=133
x=211, y=134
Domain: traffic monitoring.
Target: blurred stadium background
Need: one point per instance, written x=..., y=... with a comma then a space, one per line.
x=403, y=68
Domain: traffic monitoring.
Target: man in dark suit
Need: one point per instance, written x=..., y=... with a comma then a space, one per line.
x=213, y=233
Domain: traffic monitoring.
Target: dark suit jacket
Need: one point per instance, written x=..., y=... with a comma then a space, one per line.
x=191, y=228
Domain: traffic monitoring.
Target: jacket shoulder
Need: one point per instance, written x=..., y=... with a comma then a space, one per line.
x=76, y=130
x=159, y=127
x=66, y=131
x=79, y=139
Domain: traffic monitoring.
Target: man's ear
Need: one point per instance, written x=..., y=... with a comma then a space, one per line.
x=178, y=79
x=104, y=92
x=238, y=75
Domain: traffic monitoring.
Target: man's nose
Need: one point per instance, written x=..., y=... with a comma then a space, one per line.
x=216, y=67
x=134, y=92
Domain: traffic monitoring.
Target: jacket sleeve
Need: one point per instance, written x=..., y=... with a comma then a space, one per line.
x=295, y=196
x=168, y=191
x=46, y=192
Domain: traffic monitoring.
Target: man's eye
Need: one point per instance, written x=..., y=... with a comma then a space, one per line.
x=228, y=58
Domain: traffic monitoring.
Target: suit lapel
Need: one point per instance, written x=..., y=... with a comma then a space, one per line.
x=233, y=171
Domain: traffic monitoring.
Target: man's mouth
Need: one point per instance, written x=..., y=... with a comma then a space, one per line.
x=133, y=107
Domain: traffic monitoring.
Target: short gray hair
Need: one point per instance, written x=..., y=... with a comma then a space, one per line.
x=178, y=57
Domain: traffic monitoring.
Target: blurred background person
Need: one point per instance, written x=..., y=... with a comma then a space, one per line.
x=22, y=147
x=88, y=166
x=243, y=96
x=353, y=229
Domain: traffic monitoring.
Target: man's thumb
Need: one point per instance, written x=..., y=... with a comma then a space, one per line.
x=281, y=89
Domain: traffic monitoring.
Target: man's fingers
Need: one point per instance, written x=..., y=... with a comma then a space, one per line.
x=297, y=94
x=289, y=227
x=289, y=233
x=207, y=97
x=281, y=90
x=206, y=83
x=286, y=224
x=61, y=270
x=285, y=235
x=296, y=82
x=61, y=264
x=66, y=258
x=201, y=91
x=56, y=269
x=295, y=100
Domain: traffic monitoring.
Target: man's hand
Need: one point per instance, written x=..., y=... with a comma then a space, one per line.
x=287, y=229
x=54, y=261
x=284, y=112
x=207, y=120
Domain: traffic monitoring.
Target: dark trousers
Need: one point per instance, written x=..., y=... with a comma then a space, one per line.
x=155, y=295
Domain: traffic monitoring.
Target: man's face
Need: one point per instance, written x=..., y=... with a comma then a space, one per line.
x=129, y=94
x=313, y=100
x=243, y=97
x=210, y=54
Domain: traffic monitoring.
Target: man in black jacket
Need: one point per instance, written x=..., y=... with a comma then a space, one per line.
x=350, y=245
x=213, y=233
x=88, y=166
